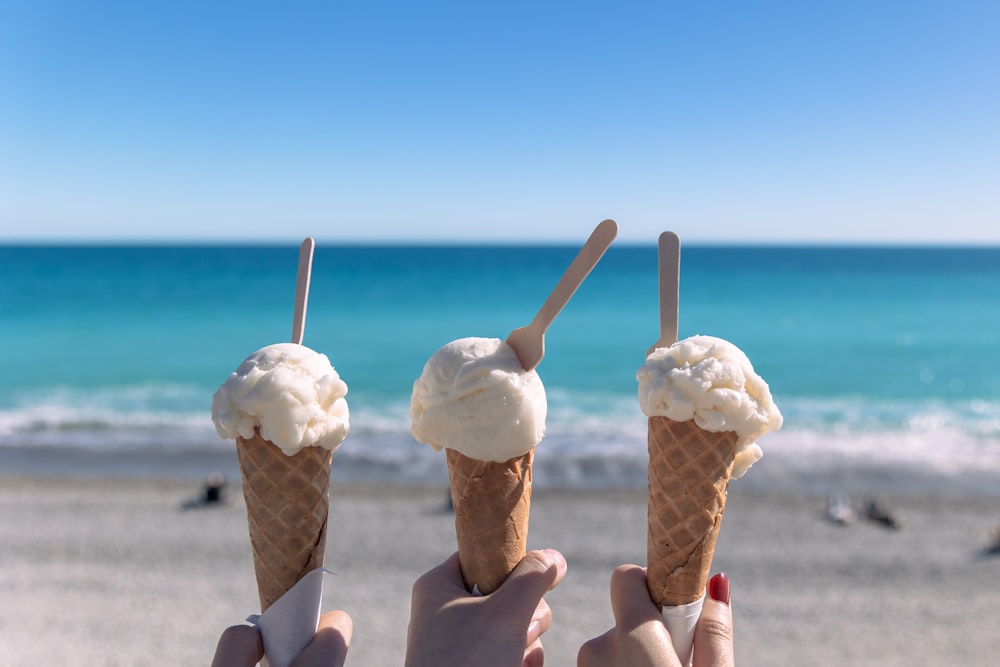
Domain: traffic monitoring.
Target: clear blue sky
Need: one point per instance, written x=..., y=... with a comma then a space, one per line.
x=725, y=121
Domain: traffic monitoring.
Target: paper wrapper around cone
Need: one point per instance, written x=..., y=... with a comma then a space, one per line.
x=689, y=472
x=492, y=502
x=288, y=502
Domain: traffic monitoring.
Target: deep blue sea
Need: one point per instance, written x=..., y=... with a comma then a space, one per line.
x=877, y=356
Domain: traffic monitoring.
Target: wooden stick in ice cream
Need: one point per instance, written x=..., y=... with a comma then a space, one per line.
x=285, y=407
x=706, y=407
x=302, y=289
x=669, y=270
x=481, y=400
x=528, y=342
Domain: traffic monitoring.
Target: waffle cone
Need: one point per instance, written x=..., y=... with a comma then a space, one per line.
x=689, y=472
x=288, y=501
x=492, y=502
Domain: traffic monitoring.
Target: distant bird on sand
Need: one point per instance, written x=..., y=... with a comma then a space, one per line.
x=876, y=513
x=839, y=511
x=994, y=547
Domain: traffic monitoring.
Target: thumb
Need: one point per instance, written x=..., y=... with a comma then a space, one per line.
x=238, y=645
x=536, y=574
x=630, y=601
x=330, y=644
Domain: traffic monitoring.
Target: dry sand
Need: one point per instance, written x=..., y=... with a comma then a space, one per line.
x=115, y=572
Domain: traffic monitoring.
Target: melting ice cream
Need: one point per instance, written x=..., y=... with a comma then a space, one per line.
x=288, y=392
x=712, y=382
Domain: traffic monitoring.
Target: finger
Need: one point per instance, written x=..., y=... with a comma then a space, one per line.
x=451, y=567
x=540, y=622
x=713, y=638
x=596, y=652
x=449, y=570
x=338, y=622
x=239, y=646
x=536, y=574
x=534, y=655
x=329, y=646
x=553, y=562
x=630, y=601
x=440, y=583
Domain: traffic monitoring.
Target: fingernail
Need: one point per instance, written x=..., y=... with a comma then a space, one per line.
x=718, y=588
x=555, y=558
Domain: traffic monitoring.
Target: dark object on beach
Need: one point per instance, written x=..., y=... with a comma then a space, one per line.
x=839, y=511
x=994, y=548
x=212, y=494
x=876, y=513
x=214, y=489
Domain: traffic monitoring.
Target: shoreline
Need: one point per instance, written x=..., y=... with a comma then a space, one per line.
x=130, y=577
x=772, y=474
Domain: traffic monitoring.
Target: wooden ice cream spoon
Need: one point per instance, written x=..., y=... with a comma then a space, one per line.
x=302, y=290
x=669, y=259
x=529, y=342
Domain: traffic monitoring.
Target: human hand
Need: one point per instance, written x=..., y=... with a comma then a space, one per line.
x=640, y=638
x=450, y=626
x=241, y=646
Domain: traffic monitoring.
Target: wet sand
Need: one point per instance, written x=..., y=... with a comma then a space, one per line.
x=116, y=572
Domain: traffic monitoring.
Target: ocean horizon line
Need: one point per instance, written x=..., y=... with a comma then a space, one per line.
x=763, y=244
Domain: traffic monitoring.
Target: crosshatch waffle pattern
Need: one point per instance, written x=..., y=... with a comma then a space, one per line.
x=288, y=503
x=689, y=472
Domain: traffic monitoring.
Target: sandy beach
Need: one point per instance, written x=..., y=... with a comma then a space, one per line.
x=117, y=572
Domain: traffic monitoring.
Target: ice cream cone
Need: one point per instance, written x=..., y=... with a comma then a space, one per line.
x=689, y=473
x=288, y=501
x=492, y=502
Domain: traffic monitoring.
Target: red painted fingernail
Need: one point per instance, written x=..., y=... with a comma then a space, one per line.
x=718, y=588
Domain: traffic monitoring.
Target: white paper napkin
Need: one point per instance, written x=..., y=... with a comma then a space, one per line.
x=289, y=624
x=681, y=622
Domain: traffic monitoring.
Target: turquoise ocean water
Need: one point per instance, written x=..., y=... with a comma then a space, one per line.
x=880, y=358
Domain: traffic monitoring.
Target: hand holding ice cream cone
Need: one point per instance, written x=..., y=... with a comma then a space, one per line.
x=474, y=400
x=285, y=406
x=482, y=401
x=706, y=408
